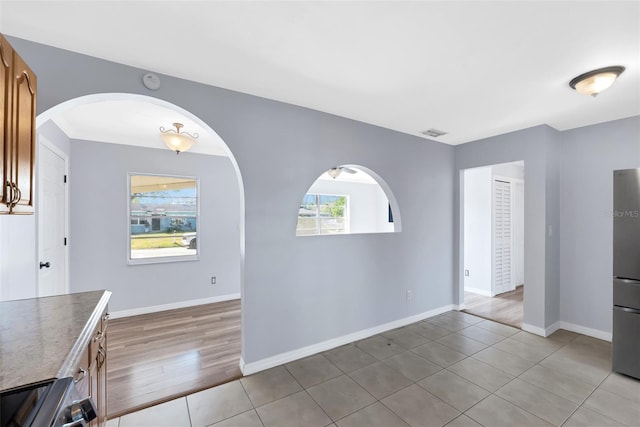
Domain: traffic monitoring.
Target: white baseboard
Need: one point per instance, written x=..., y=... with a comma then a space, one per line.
x=595, y=333
x=543, y=332
x=552, y=328
x=172, y=306
x=279, y=359
x=534, y=329
x=478, y=291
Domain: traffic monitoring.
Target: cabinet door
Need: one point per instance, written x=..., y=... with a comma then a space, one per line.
x=101, y=397
x=6, y=83
x=99, y=372
x=93, y=388
x=24, y=131
x=81, y=377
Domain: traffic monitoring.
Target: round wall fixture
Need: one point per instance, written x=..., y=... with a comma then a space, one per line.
x=151, y=81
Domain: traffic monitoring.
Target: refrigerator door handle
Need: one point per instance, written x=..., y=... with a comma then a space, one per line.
x=627, y=309
x=627, y=280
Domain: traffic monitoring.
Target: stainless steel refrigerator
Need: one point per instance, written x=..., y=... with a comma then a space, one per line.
x=626, y=272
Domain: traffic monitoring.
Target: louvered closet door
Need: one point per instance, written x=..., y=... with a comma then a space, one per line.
x=502, y=237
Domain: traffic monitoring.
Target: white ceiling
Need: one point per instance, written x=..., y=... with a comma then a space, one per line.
x=473, y=69
x=132, y=122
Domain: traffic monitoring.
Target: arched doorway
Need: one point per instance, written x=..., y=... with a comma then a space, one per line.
x=107, y=136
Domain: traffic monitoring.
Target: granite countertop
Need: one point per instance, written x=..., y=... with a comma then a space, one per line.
x=44, y=338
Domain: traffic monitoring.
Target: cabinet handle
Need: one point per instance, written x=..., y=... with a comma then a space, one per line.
x=9, y=195
x=106, y=317
x=82, y=372
x=99, y=337
x=16, y=195
x=102, y=356
x=14, y=192
x=11, y=199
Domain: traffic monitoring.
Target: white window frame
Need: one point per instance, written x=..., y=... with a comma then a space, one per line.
x=346, y=216
x=162, y=259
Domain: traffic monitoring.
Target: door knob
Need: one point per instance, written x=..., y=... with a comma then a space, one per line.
x=45, y=264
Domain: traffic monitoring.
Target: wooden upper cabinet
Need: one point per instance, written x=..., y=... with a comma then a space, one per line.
x=24, y=132
x=18, y=132
x=6, y=82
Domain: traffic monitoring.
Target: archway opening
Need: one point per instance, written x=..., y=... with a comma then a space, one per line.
x=106, y=137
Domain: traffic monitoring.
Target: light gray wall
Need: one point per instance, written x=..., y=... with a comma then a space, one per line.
x=568, y=233
x=18, y=256
x=99, y=226
x=588, y=157
x=534, y=146
x=299, y=292
x=552, y=247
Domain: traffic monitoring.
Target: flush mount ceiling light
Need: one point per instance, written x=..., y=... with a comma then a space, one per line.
x=594, y=82
x=176, y=140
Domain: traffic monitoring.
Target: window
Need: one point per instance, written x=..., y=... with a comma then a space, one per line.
x=348, y=199
x=323, y=214
x=163, y=218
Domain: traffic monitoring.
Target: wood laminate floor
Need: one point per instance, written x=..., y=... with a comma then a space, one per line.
x=505, y=308
x=160, y=356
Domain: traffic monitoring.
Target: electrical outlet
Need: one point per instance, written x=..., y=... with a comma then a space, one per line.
x=213, y=280
x=466, y=272
x=409, y=295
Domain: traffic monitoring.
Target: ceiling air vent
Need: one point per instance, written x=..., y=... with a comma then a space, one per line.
x=434, y=133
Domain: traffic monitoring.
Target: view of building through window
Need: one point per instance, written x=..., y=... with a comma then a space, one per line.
x=163, y=218
x=323, y=214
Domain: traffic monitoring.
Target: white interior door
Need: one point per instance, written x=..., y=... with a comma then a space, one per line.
x=52, y=221
x=503, y=277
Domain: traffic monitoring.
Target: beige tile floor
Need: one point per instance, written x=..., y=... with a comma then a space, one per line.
x=454, y=369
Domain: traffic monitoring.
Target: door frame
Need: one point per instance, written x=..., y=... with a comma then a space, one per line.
x=459, y=277
x=44, y=142
x=519, y=221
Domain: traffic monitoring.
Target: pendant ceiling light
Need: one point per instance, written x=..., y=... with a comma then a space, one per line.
x=334, y=172
x=594, y=82
x=176, y=140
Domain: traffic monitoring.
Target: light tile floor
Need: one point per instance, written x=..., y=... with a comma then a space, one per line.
x=454, y=369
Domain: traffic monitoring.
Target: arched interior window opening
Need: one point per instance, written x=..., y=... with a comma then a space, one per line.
x=347, y=199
